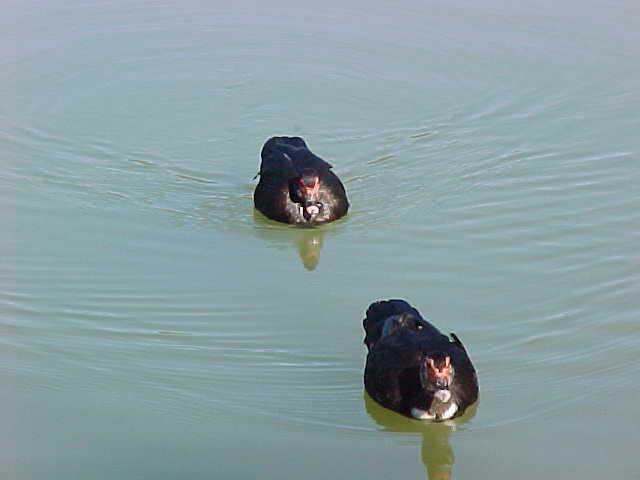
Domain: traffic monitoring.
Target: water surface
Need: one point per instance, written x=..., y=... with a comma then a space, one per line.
x=153, y=326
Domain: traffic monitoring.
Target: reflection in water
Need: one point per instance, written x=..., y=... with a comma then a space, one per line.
x=309, y=245
x=437, y=454
x=309, y=240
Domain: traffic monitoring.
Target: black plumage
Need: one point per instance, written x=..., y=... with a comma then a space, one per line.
x=413, y=368
x=296, y=186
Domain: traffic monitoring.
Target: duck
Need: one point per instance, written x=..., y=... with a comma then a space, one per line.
x=296, y=186
x=413, y=368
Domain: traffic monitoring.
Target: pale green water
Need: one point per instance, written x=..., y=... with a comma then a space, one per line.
x=152, y=327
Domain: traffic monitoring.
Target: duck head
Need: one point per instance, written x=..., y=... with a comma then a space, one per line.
x=436, y=372
x=304, y=190
x=436, y=377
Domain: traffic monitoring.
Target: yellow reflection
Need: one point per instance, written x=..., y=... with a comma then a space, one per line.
x=307, y=240
x=436, y=452
x=309, y=244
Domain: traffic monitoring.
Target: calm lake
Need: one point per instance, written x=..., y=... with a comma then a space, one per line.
x=153, y=326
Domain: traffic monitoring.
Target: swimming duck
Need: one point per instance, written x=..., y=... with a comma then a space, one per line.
x=413, y=368
x=297, y=186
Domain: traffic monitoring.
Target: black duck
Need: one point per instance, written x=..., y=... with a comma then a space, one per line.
x=297, y=186
x=413, y=368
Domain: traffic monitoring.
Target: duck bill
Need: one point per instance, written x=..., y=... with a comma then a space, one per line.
x=309, y=186
x=442, y=383
x=310, y=212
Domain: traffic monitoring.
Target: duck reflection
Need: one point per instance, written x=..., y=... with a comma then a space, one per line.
x=308, y=241
x=309, y=244
x=436, y=452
